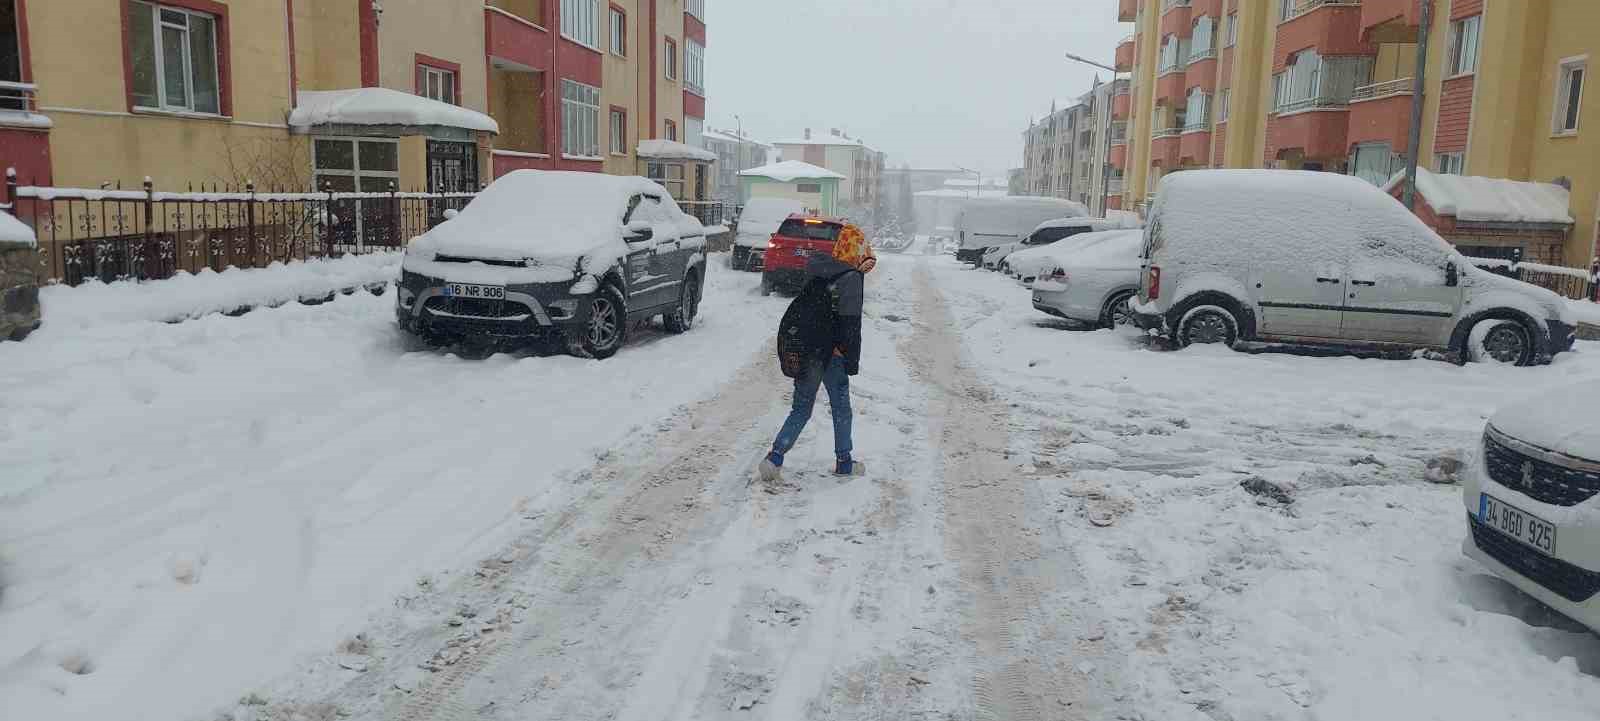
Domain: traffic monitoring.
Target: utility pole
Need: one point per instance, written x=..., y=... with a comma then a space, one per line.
x=1417, y=86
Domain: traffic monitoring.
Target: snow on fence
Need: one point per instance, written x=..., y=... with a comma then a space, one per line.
x=1574, y=283
x=113, y=234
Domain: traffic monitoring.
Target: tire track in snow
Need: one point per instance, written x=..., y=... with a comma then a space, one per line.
x=1020, y=656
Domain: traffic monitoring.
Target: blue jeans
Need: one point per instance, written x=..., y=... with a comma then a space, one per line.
x=832, y=377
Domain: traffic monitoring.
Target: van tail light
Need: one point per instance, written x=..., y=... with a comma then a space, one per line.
x=1155, y=282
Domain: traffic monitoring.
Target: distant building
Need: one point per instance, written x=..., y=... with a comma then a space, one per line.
x=1064, y=153
x=860, y=165
x=816, y=187
x=923, y=178
x=735, y=153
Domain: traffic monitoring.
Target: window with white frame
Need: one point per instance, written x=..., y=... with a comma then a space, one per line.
x=580, y=21
x=1450, y=163
x=696, y=8
x=1569, y=94
x=619, y=33
x=580, y=119
x=1223, y=96
x=1286, y=9
x=619, y=132
x=1232, y=36
x=1196, y=112
x=1173, y=53
x=1203, y=42
x=173, y=52
x=1301, y=79
x=670, y=50
x=694, y=67
x=1464, y=45
x=436, y=84
x=1376, y=163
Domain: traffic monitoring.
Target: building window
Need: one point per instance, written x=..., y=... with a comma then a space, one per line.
x=1464, y=45
x=1376, y=163
x=1286, y=9
x=1450, y=163
x=1203, y=38
x=696, y=8
x=672, y=131
x=670, y=62
x=436, y=83
x=1569, y=94
x=619, y=131
x=694, y=67
x=1232, y=36
x=580, y=120
x=619, y=32
x=349, y=165
x=669, y=175
x=1223, y=96
x=174, y=56
x=808, y=188
x=1173, y=52
x=580, y=20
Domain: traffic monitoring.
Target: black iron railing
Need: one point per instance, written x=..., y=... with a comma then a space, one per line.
x=114, y=234
x=1574, y=283
x=709, y=212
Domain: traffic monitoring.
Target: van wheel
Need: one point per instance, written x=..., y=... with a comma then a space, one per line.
x=1500, y=341
x=607, y=328
x=1208, y=324
x=1118, y=311
x=681, y=319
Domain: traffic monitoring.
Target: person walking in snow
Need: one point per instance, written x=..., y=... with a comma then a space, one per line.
x=819, y=343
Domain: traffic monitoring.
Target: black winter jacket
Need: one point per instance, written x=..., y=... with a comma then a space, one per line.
x=848, y=291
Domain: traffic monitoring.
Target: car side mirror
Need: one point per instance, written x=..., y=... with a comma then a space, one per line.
x=1452, y=275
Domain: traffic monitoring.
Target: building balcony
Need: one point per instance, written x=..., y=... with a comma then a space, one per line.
x=1202, y=72
x=1176, y=19
x=1121, y=105
x=514, y=40
x=1332, y=27
x=1164, y=147
x=1172, y=88
x=1311, y=132
x=1194, y=145
x=1127, y=11
x=1381, y=113
x=1124, y=56
x=1207, y=7
x=1114, y=186
x=1390, y=21
x=1118, y=157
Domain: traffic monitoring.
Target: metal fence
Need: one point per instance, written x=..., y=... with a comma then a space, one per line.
x=114, y=234
x=1574, y=283
x=709, y=212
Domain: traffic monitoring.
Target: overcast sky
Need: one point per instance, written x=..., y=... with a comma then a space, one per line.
x=931, y=82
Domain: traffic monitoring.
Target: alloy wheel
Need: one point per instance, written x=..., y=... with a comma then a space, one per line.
x=1506, y=343
x=602, y=323
x=1206, y=327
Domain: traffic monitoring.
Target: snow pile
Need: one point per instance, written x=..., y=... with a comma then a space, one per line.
x=553, y=218
x=382, y=106
x=15, y=231
x=67, y=310
x=1584, y=311
x=1496, y=200
x=673, y=150
x=761, y=218
x=789, y=171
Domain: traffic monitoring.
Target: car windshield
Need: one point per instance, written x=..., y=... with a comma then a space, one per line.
x=800, y=360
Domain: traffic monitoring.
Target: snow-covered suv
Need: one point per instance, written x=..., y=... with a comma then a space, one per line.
x=580, y=256
x=1289, y=256
x=1530, y=495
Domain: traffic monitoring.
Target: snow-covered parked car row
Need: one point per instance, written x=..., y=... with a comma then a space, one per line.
x=575, y=257
x=1308, y=258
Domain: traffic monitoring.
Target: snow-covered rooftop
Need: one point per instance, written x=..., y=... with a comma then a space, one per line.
x=15, y=231
x=790, y=170
x=825, y=140
x=382, y=106
x=732, y=138
x=673, y=150
x=960, y=193
x=1492, y=200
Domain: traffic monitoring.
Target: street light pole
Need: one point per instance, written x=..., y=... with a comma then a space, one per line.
x=1417, y=86
x=1105, y=165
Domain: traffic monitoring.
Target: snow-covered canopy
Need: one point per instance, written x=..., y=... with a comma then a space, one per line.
x=552, y=216
x=15, y=231
x=382, y=106
x=791, y=170
x=673, y=150
x=1492, y=200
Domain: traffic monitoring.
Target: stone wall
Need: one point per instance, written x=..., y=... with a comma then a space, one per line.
x=19, y=290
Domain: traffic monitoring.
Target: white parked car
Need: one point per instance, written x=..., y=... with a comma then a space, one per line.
x=1300, y=257
x=1529, y=491
x=757, y=222
x=1094, y=281
x=1036, y=250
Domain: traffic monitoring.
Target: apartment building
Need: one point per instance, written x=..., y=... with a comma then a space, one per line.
x=859, y=163
x=1327, y=85
x=348, y=94
x=1065, y=153
x=736, y=152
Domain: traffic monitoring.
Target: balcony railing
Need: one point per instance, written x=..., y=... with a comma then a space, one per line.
x=1387, y=89
x=17, y=96
x=1305, y=6
x=1121, y=87
x=1119, y=132
x=1168, y=133
x=1170, y=4
x=1193, y=124
x=1330, y=85
x=1198, y=55
x=1114, y=186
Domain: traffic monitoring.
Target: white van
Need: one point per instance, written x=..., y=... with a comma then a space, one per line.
x=984, y=223
x=757, y=222
x=1289, y=256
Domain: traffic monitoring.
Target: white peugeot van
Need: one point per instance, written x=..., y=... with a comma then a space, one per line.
x=1530, y=494
x=1287, y=256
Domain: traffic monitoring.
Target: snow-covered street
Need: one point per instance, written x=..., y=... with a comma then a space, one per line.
x=294, y=512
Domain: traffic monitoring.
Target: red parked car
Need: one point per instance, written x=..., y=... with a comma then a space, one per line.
x=790, y=248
